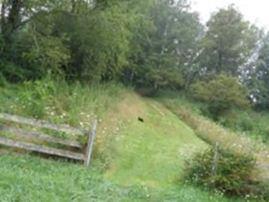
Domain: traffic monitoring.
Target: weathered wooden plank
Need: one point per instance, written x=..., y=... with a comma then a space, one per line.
x=41, y=149
x=41, y=124
x=90, y=144
x=40, y=136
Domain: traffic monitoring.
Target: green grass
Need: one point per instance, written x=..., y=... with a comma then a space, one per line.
x=27, y=178
x=152, y=153
x=133, y=161
x=59, y=102
x=30, y=178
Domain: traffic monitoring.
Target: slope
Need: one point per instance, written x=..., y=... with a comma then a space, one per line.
x=133, y=160
x=212, y=132
x=151, y=152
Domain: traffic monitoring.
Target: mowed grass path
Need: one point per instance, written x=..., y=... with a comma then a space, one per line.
x=152, y=152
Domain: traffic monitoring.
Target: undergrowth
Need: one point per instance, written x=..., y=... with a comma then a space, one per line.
x=226, y=171
x=252, y=123
x=59, y=102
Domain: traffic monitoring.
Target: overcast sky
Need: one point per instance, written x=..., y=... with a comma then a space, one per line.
x=256, y=11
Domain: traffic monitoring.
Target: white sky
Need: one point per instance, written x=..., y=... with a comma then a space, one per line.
x=256, y=11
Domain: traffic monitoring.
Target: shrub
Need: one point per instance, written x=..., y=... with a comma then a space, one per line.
x=225, y=171
x=238, y=120
x=221, y=94
x=251, y=123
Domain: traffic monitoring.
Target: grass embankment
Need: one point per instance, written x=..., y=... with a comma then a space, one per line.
x=133, y=160
x=214, y=133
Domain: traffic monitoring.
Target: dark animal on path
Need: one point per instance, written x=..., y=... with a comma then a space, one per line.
x=140, y=119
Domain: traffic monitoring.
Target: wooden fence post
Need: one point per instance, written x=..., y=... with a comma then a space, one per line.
x=89, y=148
x=215, y=159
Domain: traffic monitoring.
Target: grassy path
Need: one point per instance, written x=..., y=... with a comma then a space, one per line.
x=151, y=153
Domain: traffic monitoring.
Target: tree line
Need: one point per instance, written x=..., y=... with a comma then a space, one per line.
x=147, y=44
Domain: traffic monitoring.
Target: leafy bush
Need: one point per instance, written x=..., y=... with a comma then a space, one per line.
x=221, y=94
x=252, y=123
x=238, y=120
x=225, y=171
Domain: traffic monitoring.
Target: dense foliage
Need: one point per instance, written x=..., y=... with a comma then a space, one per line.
x=228, y=43
x=221, y=93
x=148, y=44
x=257, y=76
x=227, y=172
x=165, y=48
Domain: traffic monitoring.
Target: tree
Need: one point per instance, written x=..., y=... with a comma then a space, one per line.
x=22, y=43
x=163, y=45
x=15, y=14
x=228, y=43
x=78, y=38
x=11, y=19
x=98, y=41
x=257, y=78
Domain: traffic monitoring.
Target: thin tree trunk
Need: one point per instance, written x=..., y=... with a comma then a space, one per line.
x=73, y=6
x=215, y=159
x=3, y=13
x=10, y=19
x=14, y=17
x=219, y=68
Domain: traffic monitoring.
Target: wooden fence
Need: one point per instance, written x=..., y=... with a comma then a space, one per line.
x=85, y=150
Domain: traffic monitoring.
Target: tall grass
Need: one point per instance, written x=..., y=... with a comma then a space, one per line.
x=57, y=101
x=249, y=122
x=213, y=132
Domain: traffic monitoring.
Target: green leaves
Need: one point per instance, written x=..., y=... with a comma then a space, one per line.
x=257, y=78
x=221, y=93
x=99, y=43
x=227, y=172
x=165, y=44
x=228, y=43
x=88, y=43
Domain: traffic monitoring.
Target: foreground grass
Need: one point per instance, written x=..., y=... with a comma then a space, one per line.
x=33, y=179
x=28, y=178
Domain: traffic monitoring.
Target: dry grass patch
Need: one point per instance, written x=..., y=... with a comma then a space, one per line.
x=212, y=133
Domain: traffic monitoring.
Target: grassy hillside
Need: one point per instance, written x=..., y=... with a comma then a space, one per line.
x=150, y=152
x=213, y=132
x=133, y=160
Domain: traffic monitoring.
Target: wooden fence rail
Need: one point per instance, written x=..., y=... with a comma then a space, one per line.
x=25, y=134
x=41, y=124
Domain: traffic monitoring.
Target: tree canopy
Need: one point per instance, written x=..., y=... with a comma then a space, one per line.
x=228, y=42
x=153, y=44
